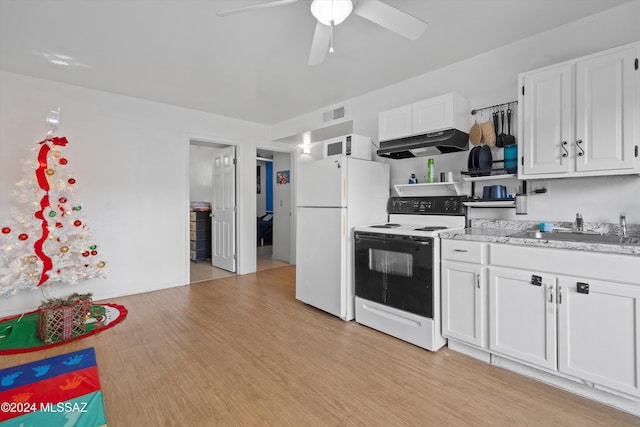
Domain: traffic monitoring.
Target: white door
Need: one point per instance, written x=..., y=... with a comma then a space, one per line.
x=599, y=333
x=322, y=183
x=463, y=307
x=605, y=97
x=522, y=316
x=223, y=220
x=433, y=114
x=321, y=263
x=547, y=133
x=395, y=123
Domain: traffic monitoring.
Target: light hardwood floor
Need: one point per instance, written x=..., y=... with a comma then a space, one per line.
x=242, y=350
x=203, y=270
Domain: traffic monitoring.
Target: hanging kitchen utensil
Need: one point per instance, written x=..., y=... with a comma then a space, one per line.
x=508, y=138
x=489, y=132
x=475, y=133
x=500, y=137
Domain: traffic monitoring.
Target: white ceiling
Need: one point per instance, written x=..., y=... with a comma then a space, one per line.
x=253, y=65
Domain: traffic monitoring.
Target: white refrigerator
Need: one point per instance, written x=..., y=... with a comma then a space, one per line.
x=333, y=196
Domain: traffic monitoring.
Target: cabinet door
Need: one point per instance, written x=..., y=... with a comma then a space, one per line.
x=522, y=316
x=433, y=114
x=463, y=302
x=605, y=112
x=395, y=123
x=547, y=117
x=599, y=333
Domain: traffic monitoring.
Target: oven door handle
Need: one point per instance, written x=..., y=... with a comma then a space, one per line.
x=375, y=237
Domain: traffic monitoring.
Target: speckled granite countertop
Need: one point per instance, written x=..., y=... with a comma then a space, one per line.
x=498, y=231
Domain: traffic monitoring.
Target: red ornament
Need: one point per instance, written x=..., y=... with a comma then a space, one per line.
x=58, y=225
x=62, y=200
x=63, y=161
x=85, y=253
x=94, y=253
x=23, y=236
x=71, y=181
x=6, y=230
x=77, y=223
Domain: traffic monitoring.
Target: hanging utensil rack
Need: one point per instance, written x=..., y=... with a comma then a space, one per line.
x=494, y=107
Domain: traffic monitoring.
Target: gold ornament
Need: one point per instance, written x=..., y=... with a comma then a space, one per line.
x=100, y=264
x=56, y=154
x=32, y=259
x=50, y=172
x=64, y=249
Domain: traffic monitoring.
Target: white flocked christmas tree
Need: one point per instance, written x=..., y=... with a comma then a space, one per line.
x=46, y=239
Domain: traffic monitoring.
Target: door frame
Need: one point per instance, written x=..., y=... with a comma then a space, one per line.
x=292, y=193
x=210, y=142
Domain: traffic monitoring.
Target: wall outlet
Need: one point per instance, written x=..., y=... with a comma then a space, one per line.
x=539, y=187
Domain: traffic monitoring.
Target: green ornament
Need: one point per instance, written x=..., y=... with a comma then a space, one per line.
x=93, y=247
x=77, y=208
x=52, y=214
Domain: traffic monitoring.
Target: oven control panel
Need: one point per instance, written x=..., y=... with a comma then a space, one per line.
x=436, y=205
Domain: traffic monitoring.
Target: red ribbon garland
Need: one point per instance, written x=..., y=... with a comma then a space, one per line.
x=41, y=177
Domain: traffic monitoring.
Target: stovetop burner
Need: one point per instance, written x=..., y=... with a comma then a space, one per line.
x=431, y=228
x=389, y=225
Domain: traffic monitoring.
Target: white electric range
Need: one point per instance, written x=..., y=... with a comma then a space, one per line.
x=397, y=268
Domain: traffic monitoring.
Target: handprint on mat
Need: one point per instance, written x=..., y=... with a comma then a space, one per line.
x=41, y=370
x=22, y=397
x=71, y=384
x=8, y=380
x=75, y=359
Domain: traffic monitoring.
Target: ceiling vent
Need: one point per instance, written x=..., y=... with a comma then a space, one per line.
x=335, y=114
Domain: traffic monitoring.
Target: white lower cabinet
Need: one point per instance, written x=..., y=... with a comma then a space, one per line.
x=544, y=313
x=463, y=291
x=522, y=317
x=463, y=303
x=599, y=332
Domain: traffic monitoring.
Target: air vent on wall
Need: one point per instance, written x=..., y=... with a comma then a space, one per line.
x=335, y=114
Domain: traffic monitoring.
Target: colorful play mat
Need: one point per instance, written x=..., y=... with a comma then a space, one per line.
x=19, y=334
x=58, y=391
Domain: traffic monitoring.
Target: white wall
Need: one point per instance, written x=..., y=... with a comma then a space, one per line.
x=200, y=173
x=489, y=79
x=130, y=158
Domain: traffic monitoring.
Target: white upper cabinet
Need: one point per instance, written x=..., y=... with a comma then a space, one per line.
x=395, y=123
x=581, y=117
x=606, y=110
x=547, y=127
x=442, y=112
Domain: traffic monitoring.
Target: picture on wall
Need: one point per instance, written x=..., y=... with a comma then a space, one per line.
x=258, y=180
x=282, y=177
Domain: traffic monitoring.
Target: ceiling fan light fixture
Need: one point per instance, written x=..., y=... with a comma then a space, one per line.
x=331, y=12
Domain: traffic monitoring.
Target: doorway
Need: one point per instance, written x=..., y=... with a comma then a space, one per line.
x=202, y=155
x=274, y=209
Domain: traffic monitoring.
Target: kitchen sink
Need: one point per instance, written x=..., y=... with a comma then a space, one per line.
x=578, y=236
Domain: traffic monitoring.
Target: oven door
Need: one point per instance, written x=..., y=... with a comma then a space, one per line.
x=395, y=270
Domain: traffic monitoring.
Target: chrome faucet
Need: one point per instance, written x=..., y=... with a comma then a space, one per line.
x=623, y=224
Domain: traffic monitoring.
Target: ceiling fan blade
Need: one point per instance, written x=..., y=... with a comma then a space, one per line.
x=320, y=44
x=391, y=18
x=255, y=6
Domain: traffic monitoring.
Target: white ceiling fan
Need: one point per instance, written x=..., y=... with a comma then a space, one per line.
x=330, y=13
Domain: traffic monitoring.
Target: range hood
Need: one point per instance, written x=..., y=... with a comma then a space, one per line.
x=429, y=144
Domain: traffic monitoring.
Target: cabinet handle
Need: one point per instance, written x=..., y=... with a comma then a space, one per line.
x=564, y=148
x=560, y=295
x=551, y=294
x=460, y=250
x=478, y=280
x=578, y=142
